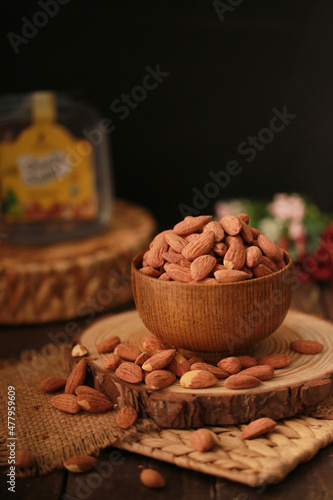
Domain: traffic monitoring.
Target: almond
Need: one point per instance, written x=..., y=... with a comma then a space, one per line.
x=111, y=361
x=160, y=236
x=202, y=440
x=76, y=377
x=205, y=281
x=247, y=361
x=24, y=459
x=94, y=401
x=246, y=233
x=150, y=271
x=177, y=243
x=255, y=232
x=266, y=261
x=216, y=228
x=215, y=370
x=253, y=256
x=200, y=246
x=152, y=479
x=262, y=372
x=220, y=249
x=248, y=271
x=178, y=273
x=276, y=360
x=79, y=350
x=66, y=402
x=108, y=344
x=81, y=463
x=270, y=248
x=192, y=237
x=230, y=240
x=142, y=358
x=130, y=372
x=231, y=224
x=280, y=264
x=230, y=276
x=260, y=271
x=243, y=217
x=198, y=379
x=152, y=345
x=191, y=224
x=235, y=257
x=127, y=351
x=158, y=379
x=202, y=266
x=306, y=346
x=155, y=257
x=239, y=381
x=185, y=263
x=258, y=427
x=231, y=364
x=165, y=277
x=126, y=417
x=173, y=258
x=52, y=384
x=179, y=365
x=159, y=360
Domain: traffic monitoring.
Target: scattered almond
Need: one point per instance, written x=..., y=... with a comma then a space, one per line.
x=276, y=360
x=198, y=379
x=202, y=440
x=152, y=345
x=111, y=361
x=108, y=345
x=92, y=400
x=247, y=361
x=179, y=365
x=239, y=381
x=76, y=377
x=215, y=370
x=130, y=372
x=159, y=379
x=231, y=364
x=258, y=427
x=52, y=384
x=159, y=360
x=262, y=372
x=126, y=417
x=127, y=351
x=142, y=358
x=66, y=402
x=152, y=479
x=306, y=346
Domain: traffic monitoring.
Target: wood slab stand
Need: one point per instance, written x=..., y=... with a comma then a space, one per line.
x=299, y=388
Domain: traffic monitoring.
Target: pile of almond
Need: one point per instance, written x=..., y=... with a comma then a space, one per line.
x=201, y=250
x=160, y=364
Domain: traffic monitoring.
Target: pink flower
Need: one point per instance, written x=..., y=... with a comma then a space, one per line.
x=287, y=207
x=296, y=230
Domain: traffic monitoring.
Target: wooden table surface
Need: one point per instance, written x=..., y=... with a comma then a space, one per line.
x=310, y=481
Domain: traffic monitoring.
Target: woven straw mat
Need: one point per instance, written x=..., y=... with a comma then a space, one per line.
x=53, y=436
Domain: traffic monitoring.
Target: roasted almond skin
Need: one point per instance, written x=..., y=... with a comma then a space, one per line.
x=235, y=257
x=150, y=271
x=247, y=361
x=230, y=276
x=179, y=365
x=231, y=224
x=306, y=346
x=94, y=402
x=270, y=248
x=215, y=370
x=176, y=242
x=158, y=379
x=276, y=360
x=130, y=372
x=198, y=379
x=152, y=479
x=258, y=427
x=126, y=417
x=253, y=256
x=202, y=440
x=159, y=360
x=260, y=271
x=216, y=228
x=76, y=377
x=127, y=352
x=155, y=257
x=79, y=350
x=81, y=463
x=52, y=384
x=202, y=266
x=111, y=361
x=239, y=381
x=108, y=344
x=66, y=402
x=179, y=273
x=191, y=224
x=231, y=365
x=262, y=372
x=152, y=345
x=142, y=358
x=200, y=246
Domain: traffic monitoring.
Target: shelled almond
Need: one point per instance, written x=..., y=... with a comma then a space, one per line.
x=190, y=251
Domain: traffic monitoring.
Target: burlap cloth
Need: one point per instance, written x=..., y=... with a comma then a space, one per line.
x=52, y=436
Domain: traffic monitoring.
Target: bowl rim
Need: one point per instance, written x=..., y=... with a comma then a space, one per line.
x=236, y=283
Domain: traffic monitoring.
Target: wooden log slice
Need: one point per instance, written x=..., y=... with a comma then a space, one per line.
x=73, y=278
x=299, y=388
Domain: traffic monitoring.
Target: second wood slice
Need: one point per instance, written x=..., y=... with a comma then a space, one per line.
x=299, y=388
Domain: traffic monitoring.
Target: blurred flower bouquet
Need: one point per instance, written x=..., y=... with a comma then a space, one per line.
x=297, y=225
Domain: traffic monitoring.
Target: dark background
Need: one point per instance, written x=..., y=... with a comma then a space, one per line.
x=224, y=80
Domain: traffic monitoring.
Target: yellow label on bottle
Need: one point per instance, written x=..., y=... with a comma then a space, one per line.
x=47, y=174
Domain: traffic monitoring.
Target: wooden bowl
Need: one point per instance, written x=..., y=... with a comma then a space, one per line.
x=213, y=321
